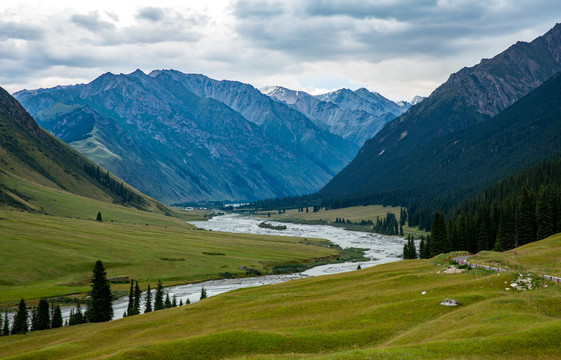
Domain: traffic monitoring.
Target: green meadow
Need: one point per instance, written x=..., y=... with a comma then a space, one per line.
x=390, y=311
x=355, y=213
x=540, y=257
x=49, y=256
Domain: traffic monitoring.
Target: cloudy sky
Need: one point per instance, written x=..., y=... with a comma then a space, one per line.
x=398, y=48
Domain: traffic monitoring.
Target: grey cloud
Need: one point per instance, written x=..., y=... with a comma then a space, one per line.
x=246, y=9
x=92, y=22
x=151, y=14
x=13, y=30
x=381, y=30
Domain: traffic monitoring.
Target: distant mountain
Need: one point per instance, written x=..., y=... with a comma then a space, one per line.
x=470, y=96
x=356, y=116
x=32, y=158
x=158, y=134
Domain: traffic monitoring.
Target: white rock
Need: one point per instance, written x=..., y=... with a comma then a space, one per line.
x=423, y=293
x=449, y=302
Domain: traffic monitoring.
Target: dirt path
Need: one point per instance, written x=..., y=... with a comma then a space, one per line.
x=462, y=260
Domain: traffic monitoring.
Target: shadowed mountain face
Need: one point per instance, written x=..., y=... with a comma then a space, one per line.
x=180, y=137
x=30, y=154
x=354, y=115
x=470, y=96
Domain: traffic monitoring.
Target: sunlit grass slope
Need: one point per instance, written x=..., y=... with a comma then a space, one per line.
x=46, y=256
x=540, y=257
x=380, y=312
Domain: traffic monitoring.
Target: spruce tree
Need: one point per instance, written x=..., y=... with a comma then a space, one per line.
x=6, y=328
x=57, y=318
x=130, y=306
x=100, y=305
x=526, y=217
x=544, y=214
x=439, y=239
x=98, y=218
x=148, y=306
x=174, y=301
x=203, y=293
x=20, y=325
x=506, y=235
x=159, y=297
x=180, y=302
x=167, y=302
x=137, y=296
x=43, y=320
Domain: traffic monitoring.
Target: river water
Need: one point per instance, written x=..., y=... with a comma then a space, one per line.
x=381, y=249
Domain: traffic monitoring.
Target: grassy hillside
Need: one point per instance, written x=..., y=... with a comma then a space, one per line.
x=540, y=257
x=355, y=214
x=30, y=154
x=380, y=312
x=47, y=256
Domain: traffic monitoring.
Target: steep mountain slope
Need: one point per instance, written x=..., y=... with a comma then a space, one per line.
x=278, y=121
x=469, y=97
x=30, y=155
x=355, y=116
x=176, y=146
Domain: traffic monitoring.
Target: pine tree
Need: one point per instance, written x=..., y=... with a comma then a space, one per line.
x=6, y=328
x=20, y=325
x=148, y=306
x=544, y=214
x=203, y=293
x=98, y=218
x=130, y=307
x=57, y=318
x=100, y=305
x=174, y=301
x=506, y=235
x=167, y=303
x=180, y=302
x=526, y=217
x=42, y=317
x=159, y=297
x=137, y=296
x=439, y=239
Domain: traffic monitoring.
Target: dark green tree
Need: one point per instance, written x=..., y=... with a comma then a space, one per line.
x=439, y=240
x=57, y=318
x=409, y=250
x=167, y=302
x=174, y=301
x=203, y=293
x=42, y=317
x=526, y=217
x=6, y=328
x=506, y=235
x=159, y=297
x=20, y=325
x=100, y=304
x=98, y=218
x=137, y=296
x=148, y=306
x=545, y=214
x=130, y=308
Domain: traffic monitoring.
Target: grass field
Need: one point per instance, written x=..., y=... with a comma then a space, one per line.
x=47, y=256
x=540, y=257
x=355, y=214
x=375, y=313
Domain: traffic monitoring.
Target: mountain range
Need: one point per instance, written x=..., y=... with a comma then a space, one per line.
x=185, y=137
x=353, y=115
x=422, y=153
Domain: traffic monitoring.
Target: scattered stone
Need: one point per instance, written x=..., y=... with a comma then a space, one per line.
x=423, y=293
x=449, y=302
x=507, y=289
x=453, y=270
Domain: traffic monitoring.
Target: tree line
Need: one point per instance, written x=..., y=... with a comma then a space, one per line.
x=98, y=307
x=116, y=188
x=520, y=209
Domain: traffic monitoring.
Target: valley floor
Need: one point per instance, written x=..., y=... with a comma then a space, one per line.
x=387, y=311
